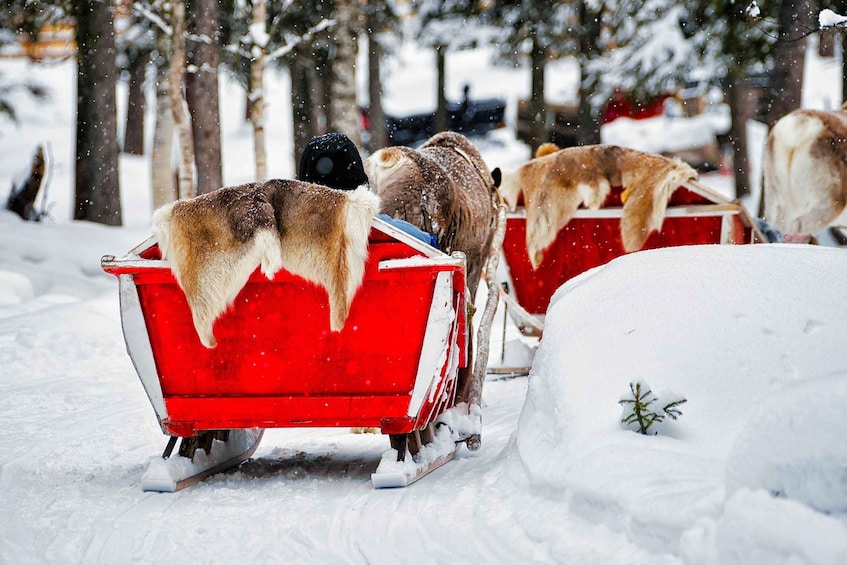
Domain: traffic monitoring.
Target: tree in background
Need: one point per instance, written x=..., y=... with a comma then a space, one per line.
x=135, y=49
x=538, y=31
x=97, y=188
x=380, y=23
x=786, y=84
x=186, y=186
x=344, y=115
x=444, y=26
x=201, y=92
x=660, y=46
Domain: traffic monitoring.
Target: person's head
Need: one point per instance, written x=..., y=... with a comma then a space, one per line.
x=332, y=160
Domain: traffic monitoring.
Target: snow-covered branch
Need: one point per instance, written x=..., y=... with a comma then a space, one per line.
x=291, y=44
x=828, y=19
x=153, y=17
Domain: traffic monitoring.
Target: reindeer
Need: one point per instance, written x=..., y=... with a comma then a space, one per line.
x=805, y=172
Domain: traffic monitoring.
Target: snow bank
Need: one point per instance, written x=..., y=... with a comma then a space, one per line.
x=669, y=317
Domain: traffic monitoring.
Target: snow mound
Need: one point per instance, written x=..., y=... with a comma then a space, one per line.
x=727, y=327
x=793, y=445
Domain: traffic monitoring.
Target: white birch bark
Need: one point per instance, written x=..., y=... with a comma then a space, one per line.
x=162, y=170
x=179, y=108
x=257, y=84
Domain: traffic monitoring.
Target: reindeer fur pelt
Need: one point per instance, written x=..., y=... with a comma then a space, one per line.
x=805, y=170
x=444, y=188
x=215, y=241
x=557, y=182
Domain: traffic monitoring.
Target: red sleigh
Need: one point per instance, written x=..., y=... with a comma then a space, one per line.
x=394, y=365
x=695, y=215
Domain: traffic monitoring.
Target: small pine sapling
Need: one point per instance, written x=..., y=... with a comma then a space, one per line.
x=642, y=408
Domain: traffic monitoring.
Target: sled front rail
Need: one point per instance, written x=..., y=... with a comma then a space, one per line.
x=277, y=364
x=695, y=216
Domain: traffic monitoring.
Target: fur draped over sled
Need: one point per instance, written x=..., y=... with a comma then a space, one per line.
x=444, y=188
x=805, y=171
x=215, y=241
x=557, y=182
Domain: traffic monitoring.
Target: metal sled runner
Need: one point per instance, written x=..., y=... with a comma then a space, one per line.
x=393, y=366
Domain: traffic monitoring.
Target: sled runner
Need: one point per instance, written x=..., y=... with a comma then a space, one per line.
x=393, y=366
x=695, y=215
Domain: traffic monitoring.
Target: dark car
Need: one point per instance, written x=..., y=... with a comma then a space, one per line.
x=471, y=117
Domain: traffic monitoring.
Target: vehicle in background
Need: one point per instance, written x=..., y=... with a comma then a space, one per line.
x=469, y=117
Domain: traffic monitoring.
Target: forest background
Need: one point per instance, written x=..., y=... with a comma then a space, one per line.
x=638, y=49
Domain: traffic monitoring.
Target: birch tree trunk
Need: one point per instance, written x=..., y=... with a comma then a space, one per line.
x=344, y=114
x=163, y=180
x=179, y=109
x=257, y=86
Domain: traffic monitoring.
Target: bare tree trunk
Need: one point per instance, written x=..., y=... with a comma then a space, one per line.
x=179, y=109
x=440, y=123
x=344, y=114
x=588, y=128
x=736, y=95
x=537, y=103
x=376, y=117
x=201, y=89
x=163, y=179
x=257, y=93
x=301, y=114
x=786, y=89
x=134, y=125
x=97, y=189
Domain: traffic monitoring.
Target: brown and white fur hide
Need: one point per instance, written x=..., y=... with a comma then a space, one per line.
x=444, y=188
x=805, y=171
x=557, y=182
x=215, y=241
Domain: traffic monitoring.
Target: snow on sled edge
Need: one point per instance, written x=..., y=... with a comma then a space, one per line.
x=177, y=472
x=394, y=472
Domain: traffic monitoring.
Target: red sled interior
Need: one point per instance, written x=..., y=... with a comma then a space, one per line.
x=278, y=364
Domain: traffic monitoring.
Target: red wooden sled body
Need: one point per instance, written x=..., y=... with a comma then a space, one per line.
x=277, y=364
x=695, y=215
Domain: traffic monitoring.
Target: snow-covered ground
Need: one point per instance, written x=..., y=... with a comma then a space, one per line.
x=754, y=471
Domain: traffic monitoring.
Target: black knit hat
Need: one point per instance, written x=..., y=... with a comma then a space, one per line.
x=332, y=160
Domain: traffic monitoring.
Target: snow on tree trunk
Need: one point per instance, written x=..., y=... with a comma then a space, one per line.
x=344, y=114
x=201, y=88
x=96, y=182
x=163, y=180
x=257, y=85
x=179, y=109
